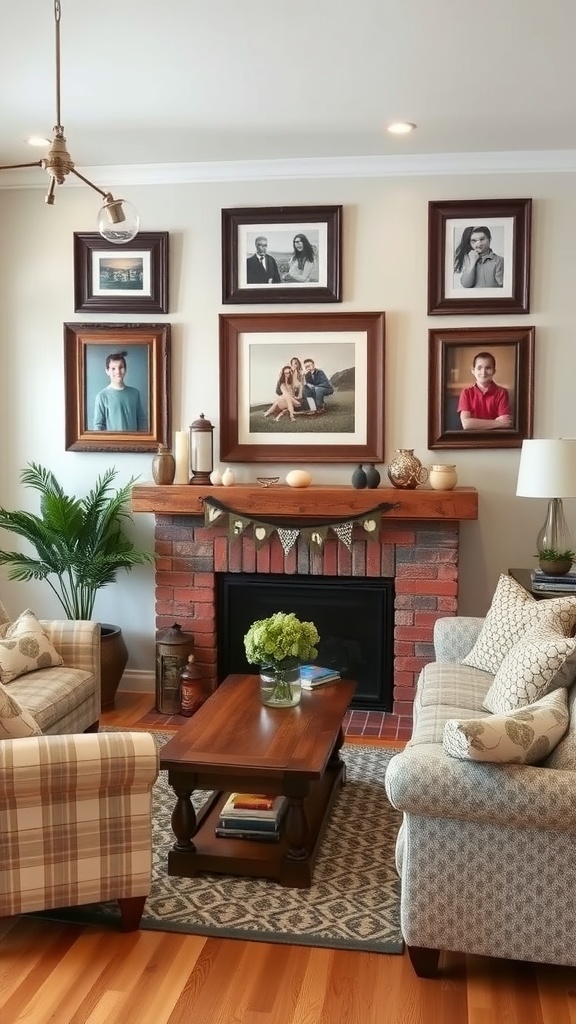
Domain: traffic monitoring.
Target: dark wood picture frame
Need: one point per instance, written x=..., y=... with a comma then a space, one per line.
x=322, y=225
x=147, y=348
x=509, y=222
x=127, y=278
x=451, y=354
x=253, y=347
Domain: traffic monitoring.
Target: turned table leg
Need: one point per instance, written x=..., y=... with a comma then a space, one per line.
x=183, y=820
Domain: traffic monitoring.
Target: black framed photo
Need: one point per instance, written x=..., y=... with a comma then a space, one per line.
x=117, y=380
x=127, y=278
x=281, y=254
x=302, y=386
x=480, y=387
x=479, y=256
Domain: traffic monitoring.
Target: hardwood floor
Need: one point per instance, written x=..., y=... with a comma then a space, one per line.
x=67, y=974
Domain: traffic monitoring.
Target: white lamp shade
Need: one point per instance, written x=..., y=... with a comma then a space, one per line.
x=547, y=469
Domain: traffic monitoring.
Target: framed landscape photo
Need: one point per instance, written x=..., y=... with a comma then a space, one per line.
x=479, y=256
x=302, y=386
x=281, y=254
x=127, y=278
x=480, y=387
x=117, y=379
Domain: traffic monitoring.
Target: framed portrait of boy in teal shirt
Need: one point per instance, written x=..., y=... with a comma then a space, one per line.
x=117, y=386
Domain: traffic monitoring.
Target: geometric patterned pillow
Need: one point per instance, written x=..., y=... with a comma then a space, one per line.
x=540, y=662
x=512, y=613
x=14, y=721
x=25, y=648
x=522, y=737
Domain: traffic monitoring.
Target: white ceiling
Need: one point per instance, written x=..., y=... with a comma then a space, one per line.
x=182, y=81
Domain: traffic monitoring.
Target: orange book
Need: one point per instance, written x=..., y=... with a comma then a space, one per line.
x=252, y=801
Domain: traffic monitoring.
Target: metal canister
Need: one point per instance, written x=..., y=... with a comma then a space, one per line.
x=173, y=646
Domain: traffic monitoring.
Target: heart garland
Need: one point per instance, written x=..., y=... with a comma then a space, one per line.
x=216, y=512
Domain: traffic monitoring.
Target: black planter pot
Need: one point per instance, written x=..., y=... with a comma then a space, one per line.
x=113, y=661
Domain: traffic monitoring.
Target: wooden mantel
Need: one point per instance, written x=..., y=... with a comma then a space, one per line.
x=297, y=502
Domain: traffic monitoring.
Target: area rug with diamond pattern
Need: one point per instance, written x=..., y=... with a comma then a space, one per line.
x=354, y=900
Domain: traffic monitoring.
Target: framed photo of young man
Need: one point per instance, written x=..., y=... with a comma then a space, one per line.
x=117, y=379
x=480, y=387
x=302, y=386
x=479, y=256
x=281, y=254
x=127, y=278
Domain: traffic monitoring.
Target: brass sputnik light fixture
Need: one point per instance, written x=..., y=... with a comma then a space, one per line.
x=118, y=220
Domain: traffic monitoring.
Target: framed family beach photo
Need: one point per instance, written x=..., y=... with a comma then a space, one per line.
x=302, y=386
x=481, y=387
x=117, y=380
x=479, y=256
x=282, y=254
x=130, y=278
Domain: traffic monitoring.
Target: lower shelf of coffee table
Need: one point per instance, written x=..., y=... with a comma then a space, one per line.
x=259, y=858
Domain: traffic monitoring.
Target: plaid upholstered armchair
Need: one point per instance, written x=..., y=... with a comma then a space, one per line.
x=75, y=805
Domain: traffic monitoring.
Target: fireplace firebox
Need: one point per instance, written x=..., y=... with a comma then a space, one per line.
x=354, y=617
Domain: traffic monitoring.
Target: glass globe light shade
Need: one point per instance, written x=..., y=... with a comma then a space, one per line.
x=118, y=220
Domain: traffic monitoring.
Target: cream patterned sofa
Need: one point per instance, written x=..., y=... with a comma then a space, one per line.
x=486, y=850
x=75, y=805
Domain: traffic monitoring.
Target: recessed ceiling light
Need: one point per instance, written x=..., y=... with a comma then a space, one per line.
x=37, y=140
x=401, y=127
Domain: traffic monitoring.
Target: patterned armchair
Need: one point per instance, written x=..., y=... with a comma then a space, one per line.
x=75, y=821
x=485, y=851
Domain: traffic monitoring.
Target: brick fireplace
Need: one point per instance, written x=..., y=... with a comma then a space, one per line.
x=417, y=546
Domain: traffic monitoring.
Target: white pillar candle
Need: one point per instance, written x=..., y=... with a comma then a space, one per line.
x=182, y=456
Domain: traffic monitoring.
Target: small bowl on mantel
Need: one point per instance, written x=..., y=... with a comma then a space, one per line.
x=267, y=481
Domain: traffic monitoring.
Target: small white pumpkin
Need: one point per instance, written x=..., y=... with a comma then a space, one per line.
x=298, y=478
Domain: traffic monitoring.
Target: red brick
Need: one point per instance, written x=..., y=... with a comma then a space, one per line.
x=448, y=604
x=235, y=556
x=163, y=547
x=173, y=579
x=403, y=678
x=447, y=572
x=410, y=570
x=194, y=594
x=438, y=587
x=403, y=649
x=163, y=593
x=248, y=553
x=291, y=561
x=164, y=565
x=331, y=557
x=263, y=559
x=344, y=560
x=221, y=554
x=405, y=693
x=395, y=535
x=426, y=618
x=276, y=555
x=373, y=558
x=404, y=618
x=402, y=707
x=410, y=664
x=413, y=632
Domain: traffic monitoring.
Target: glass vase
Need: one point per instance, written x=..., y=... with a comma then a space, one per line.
x=280, y=687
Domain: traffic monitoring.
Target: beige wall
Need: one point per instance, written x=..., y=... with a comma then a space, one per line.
x=384, y=268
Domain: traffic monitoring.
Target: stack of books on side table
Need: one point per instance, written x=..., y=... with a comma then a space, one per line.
x=251, y=816
x=555, y=584
x=312, y=676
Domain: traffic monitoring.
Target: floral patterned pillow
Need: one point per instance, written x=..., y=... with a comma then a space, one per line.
x=525, y=736
x=512, y=613
x=540, y=662
x=14, y=721
x=25, y=647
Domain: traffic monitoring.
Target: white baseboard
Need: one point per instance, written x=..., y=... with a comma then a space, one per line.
x=138, y=681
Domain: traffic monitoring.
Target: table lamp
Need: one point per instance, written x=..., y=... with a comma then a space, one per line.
x=548, y=470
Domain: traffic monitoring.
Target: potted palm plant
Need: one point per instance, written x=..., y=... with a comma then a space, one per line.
x=80, y=547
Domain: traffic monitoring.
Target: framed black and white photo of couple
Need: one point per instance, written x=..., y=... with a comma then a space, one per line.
x=302, y=386
x=480, y=387
x=117, y=387
x=282, y=254
x=127, y=278
x=479, y=256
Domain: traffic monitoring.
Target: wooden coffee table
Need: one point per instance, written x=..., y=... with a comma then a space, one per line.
x=234, y=743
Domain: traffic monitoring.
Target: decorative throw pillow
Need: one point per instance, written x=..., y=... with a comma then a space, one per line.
x=14, y=721
x=25, y=648
x=512, y=613
x=522, y=737
x=540, y=662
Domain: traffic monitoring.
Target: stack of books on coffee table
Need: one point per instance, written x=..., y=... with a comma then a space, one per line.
x=251, y=816
x=555, y=584
x=312, y=676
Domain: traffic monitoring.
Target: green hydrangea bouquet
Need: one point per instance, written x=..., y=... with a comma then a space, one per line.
x=279, y=645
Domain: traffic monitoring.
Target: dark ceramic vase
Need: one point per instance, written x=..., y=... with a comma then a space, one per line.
x=359, y=478
x=372, y=476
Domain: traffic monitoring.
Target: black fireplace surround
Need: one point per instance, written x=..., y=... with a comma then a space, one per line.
x=354, y=617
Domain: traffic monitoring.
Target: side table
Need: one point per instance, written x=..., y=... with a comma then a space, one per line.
x=524, y=578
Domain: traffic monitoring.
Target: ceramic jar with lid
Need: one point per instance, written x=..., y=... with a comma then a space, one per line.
x=405, y=469
x=443, y=477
